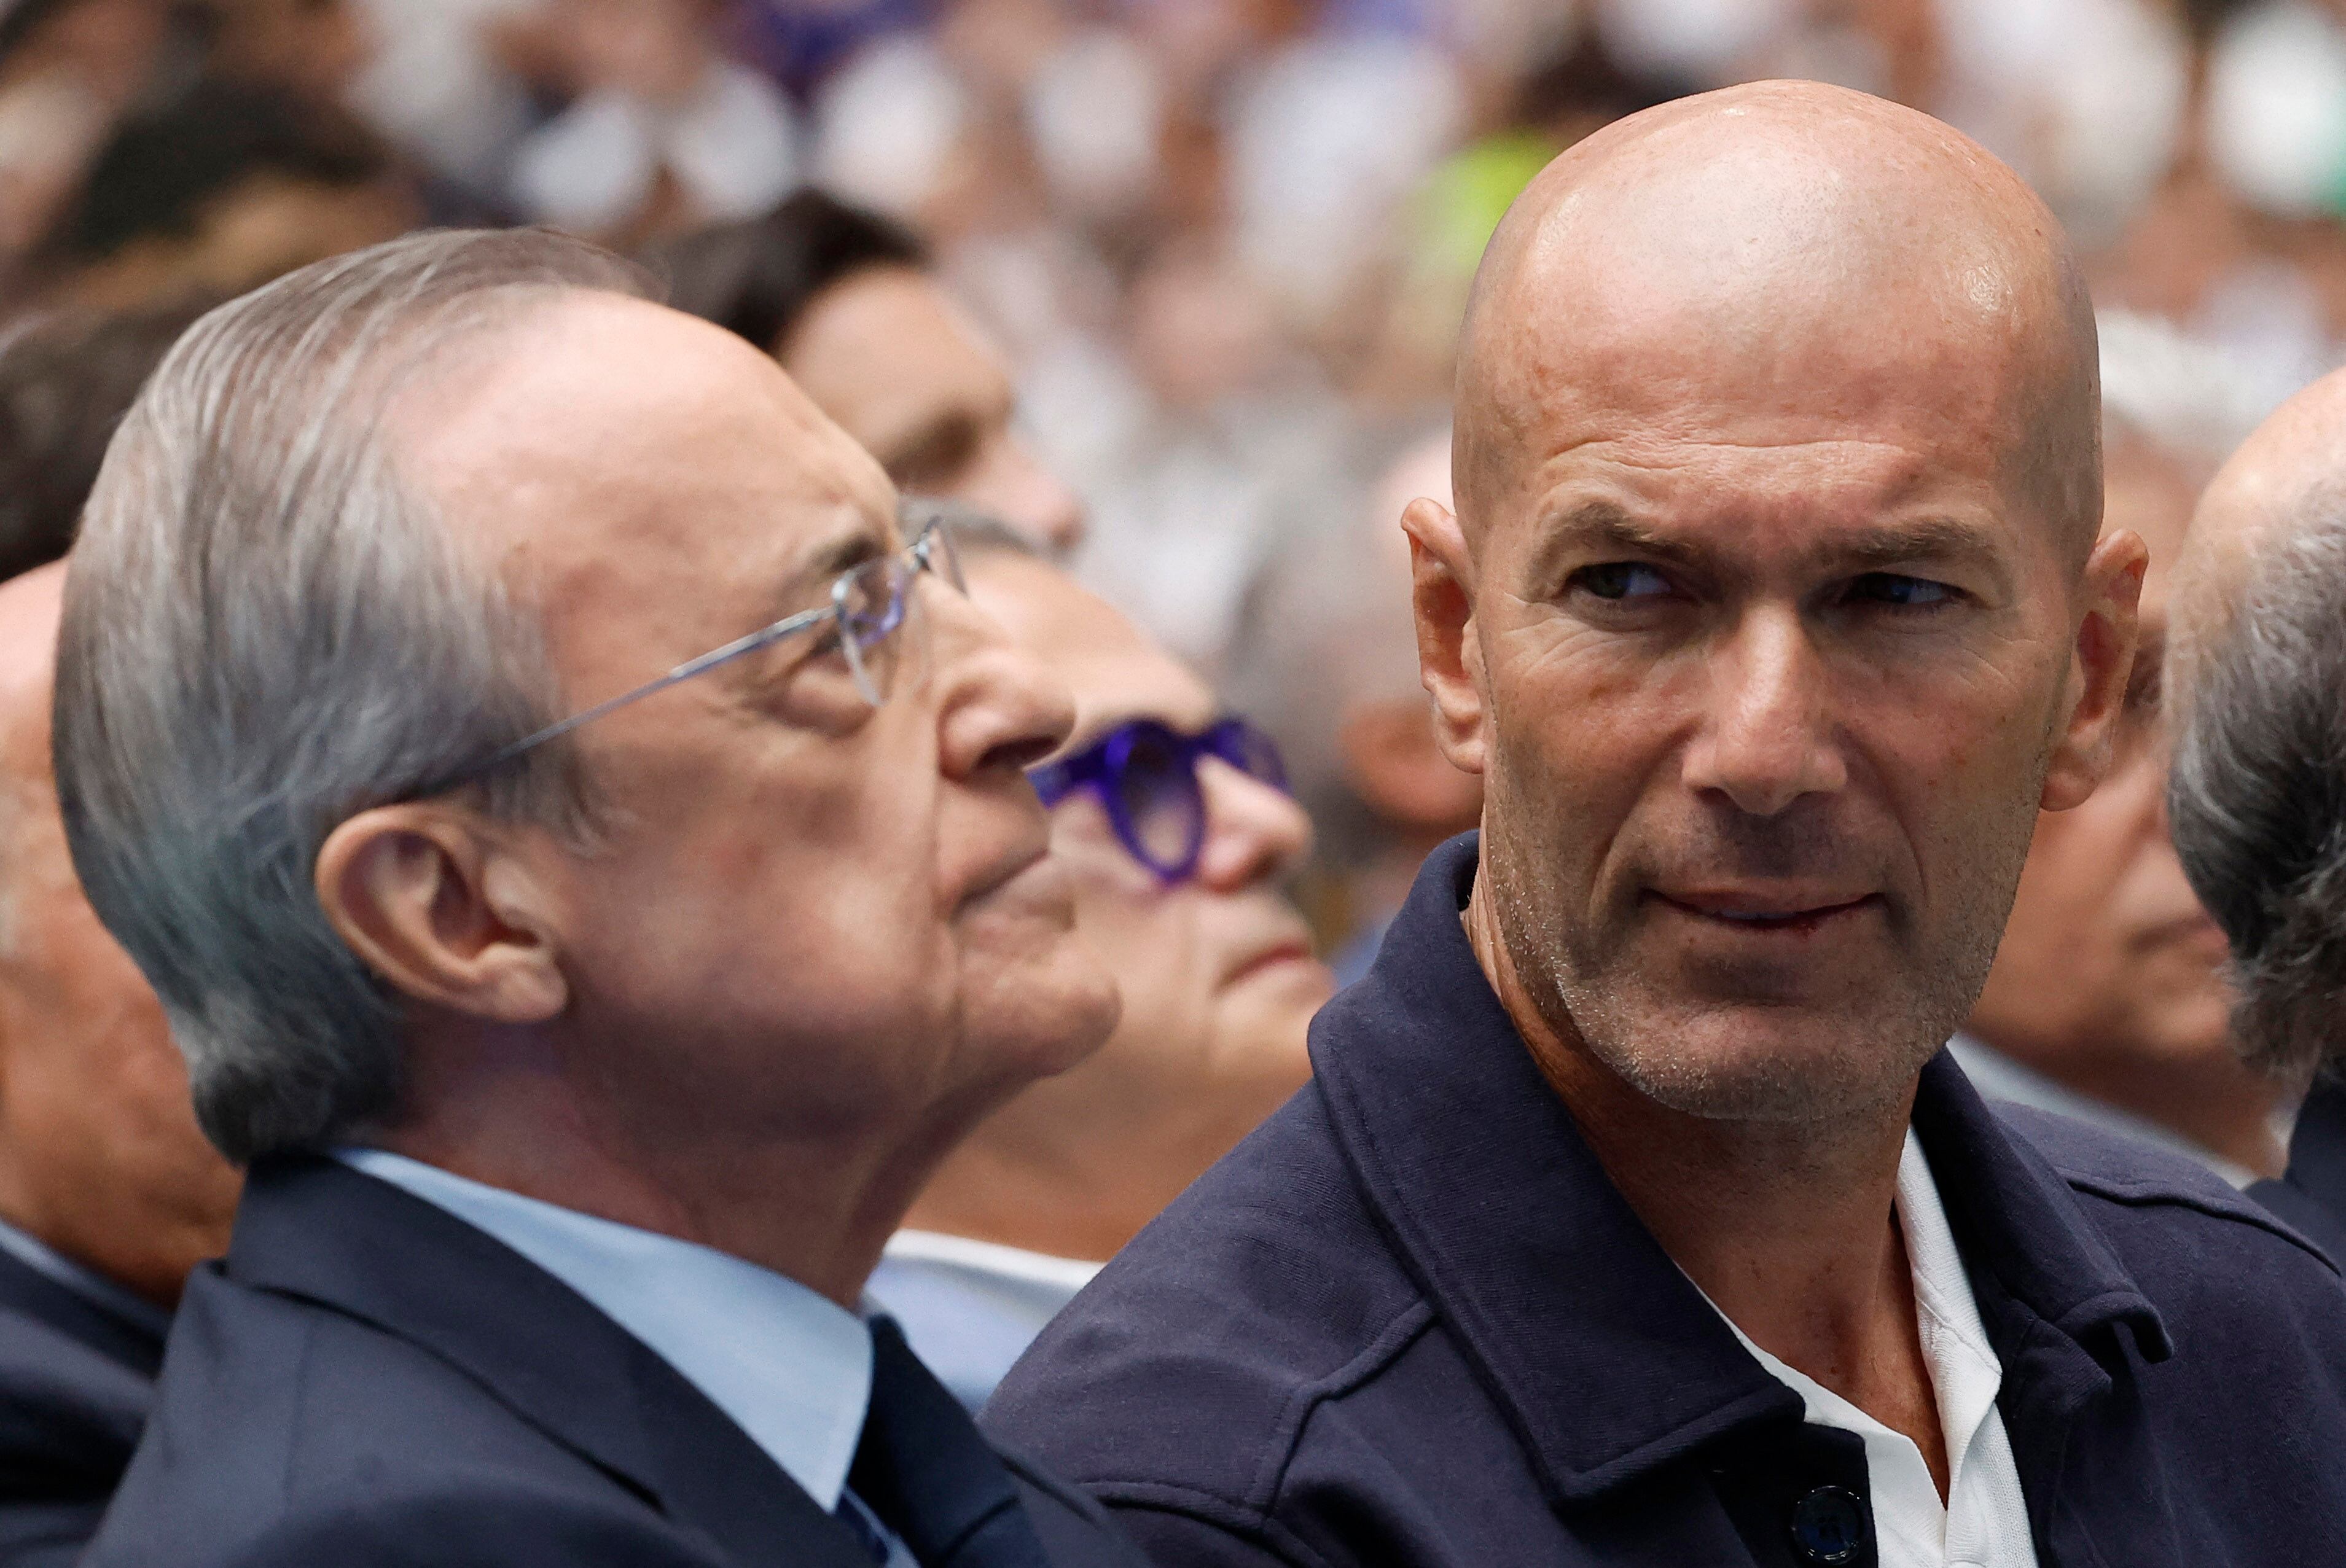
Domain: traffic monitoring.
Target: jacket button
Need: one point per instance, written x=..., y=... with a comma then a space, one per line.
x=1828, y=1525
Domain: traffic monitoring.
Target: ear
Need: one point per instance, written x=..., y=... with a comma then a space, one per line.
x=442, y=912
x=2099, y=666
x=1441, y=584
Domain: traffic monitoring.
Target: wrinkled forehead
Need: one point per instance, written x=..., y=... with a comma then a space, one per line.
x=625, y=463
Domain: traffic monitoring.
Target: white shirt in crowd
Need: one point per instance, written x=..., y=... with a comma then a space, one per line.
x=1984, y=1522
x=970, y=1308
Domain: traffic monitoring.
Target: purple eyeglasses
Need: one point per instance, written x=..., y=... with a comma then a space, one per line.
x=1146, y=775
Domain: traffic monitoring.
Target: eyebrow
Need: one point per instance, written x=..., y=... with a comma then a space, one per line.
x=844, y=551
x=1603, y=525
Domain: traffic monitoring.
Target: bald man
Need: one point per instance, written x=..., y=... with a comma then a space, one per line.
x=1634, y=1216
x=2257, y=798
x=108, y=1193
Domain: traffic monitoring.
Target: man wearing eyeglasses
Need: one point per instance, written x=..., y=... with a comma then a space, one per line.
x=583, y=849
x=1175, y=827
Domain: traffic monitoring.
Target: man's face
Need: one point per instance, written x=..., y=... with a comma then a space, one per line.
x=1217, y=972
x=2108, y=959
x=100, y=1153
x=1772, y=660
x=905, y=373
x=804, y=914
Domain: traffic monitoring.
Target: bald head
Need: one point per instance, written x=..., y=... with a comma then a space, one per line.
x=2291, y=468
x=1783, y=241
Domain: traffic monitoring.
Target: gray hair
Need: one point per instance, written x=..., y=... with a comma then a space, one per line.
x=2257, y=797
x=266, y=630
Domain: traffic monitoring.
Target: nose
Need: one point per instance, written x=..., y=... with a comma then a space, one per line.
x=999, y=707
x=1254, y=833
x=1767, y=739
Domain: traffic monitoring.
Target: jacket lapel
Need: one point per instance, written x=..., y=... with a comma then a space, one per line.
x=317, y=1230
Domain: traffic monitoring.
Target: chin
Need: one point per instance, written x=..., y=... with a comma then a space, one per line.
x=1041, y=1020
x=1766, y=1065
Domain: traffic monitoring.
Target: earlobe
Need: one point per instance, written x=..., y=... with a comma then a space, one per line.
x=2101, y=664
x=1441, y=573
x=436, y=910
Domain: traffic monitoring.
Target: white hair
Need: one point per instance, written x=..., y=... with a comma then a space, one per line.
x=266, y=630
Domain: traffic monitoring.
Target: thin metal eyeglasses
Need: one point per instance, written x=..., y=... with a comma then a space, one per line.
x=1146, y=775
x=867, y=605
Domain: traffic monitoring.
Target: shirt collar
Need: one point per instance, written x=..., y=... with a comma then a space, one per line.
x=1607, y=1360
x=124, y=1306
x=790, y=1368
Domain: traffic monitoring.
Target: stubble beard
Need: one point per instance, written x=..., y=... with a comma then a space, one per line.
x=1867, y=1047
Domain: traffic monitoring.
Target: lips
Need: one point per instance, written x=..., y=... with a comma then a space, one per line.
x=1766, y=910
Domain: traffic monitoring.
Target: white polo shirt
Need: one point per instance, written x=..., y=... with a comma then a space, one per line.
x=1984, y=1522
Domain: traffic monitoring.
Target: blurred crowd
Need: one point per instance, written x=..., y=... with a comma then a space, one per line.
x=1223, y=245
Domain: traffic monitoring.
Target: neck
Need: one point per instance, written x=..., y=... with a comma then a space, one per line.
x=2212, y=1098
x=816, y=1208
x=1789, y=1228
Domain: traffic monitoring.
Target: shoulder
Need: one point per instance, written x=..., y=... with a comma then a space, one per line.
x=1188, y=1369
x=2193, y=1243
x=252, y=1432
x=67, y=1414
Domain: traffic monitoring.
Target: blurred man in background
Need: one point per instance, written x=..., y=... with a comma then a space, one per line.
x=108, y=1193
x=1172, y=822
x=1331, y=663
x=844, y=299
x=2107, y=999
x=2258, y=677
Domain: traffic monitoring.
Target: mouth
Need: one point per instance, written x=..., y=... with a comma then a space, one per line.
x=1288, y=951
x=1768, y=912
x=1022, y=860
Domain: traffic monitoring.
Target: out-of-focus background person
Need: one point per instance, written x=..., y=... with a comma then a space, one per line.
x=1329, y=656
x=845, y=298
x=2107, y=999
x=1171, y=820
x=108, y=1194
x=2259, y=795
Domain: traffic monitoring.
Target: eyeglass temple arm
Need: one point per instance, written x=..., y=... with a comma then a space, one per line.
x=735, y=650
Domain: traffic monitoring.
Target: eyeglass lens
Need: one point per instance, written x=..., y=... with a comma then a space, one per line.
x=1156, y=793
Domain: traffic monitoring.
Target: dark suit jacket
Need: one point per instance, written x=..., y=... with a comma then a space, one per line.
x=1411, y=1322
x=2312, y=1196
x=75, y=1385
x=366, y=1380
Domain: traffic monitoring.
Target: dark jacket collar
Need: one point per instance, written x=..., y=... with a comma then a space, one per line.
x=1605, y=1357
x=315, y=1229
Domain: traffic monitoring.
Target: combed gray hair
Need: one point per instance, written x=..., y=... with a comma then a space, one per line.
x=2257, y=797
x=266, y=630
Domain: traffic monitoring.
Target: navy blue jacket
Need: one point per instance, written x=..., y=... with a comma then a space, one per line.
x=366, y=1380
x=2312, y=1196
x=1411, y=1322
x=75, y=1385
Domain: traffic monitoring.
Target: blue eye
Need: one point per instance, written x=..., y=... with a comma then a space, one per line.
x=1901, y=593
x=1621, y=580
